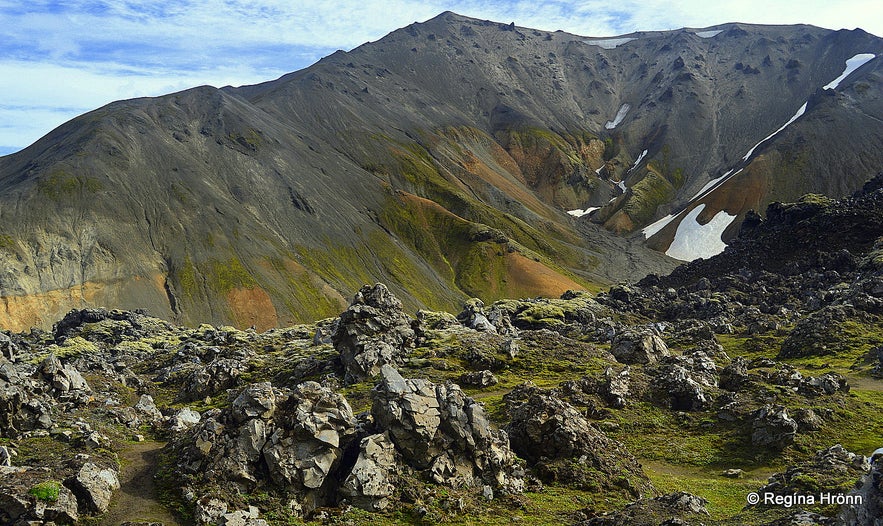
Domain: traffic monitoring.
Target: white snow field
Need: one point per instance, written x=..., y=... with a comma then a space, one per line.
x=851, y=65
x=694, y=241
x=620, y=115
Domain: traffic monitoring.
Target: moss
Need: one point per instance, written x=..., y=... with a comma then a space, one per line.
x=186, y=275
x=647, y=194
x=225, y=276
x=542, y=313
x=60, y=184
x=7, y=242
x=46, y=491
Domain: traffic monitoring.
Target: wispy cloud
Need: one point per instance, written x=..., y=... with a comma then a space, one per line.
x=61, y=58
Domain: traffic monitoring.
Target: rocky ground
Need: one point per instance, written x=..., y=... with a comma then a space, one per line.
x=664, y=402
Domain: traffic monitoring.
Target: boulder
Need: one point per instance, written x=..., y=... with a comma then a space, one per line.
x=615, y=388
x=678, y=508
x=147, y=408
x=62, y=377
x=474, y=317
x=301, y=452
x=443, y=433
x=734, y=377
x=219, y=375
x=184, y=419
x=8, y=349
x=638, y=346
x=555, y=438
x=255, y=401
x=772, y=427
x=94, y=486
x=370, y=482
x=374, y=331
x=63, y=510
x=483, y=378
x=682, y=382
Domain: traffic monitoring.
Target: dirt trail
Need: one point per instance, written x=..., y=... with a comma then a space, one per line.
x=136, y=500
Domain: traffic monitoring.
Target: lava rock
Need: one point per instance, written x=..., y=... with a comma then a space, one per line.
x=374, y=331
x=772, y=427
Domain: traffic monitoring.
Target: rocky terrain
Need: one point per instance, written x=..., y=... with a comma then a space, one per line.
x=663, y=402
x=442, y=160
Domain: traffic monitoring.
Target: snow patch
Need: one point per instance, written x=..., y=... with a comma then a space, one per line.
x=609, y=43
x=580, y=213
x=796, y=116
x=714, y=183
x=694, y=241
x=851, y=65
x=620, y=115
x=709, y=34
x=638, y=161
x=651, y=230
x=598, y=171
x=621, y=186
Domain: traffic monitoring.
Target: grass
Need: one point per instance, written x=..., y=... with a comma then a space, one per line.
x=46, y=491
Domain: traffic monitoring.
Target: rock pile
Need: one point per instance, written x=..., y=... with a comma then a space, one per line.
x=556, y=439
x=374, y=331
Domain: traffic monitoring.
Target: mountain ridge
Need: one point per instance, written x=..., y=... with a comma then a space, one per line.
x=271, y=203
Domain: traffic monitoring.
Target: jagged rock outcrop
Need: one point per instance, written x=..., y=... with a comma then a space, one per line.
x=374, y=331
x=439, y=430
x=295, y=438
x=869, y=511
x=372, y=478
x=683, y=382
x=562, y=445
x=94, y=486
x=772, y=427
x=639, y=346
x=833, y=471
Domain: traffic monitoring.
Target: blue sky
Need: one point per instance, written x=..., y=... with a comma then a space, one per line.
x=61, y=58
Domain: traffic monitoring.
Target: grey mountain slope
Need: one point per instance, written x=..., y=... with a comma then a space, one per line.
x=439, y=159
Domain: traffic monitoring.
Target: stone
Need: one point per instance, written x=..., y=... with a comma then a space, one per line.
x=638, y=346
x=5, y=457
x=550, y=434
x=370, y=483
x=255, y=401
x=62, y=377
x=209, y=510
x=733, y=473
x=148, y=409
x=94, y=486
x=445, y=434
x=772, y=427
x=483, y=378
x=473, y=316
x=184, y=419
x=372, y=332
x=615, y=388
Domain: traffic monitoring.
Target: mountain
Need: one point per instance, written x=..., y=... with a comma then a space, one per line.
x=442, y=160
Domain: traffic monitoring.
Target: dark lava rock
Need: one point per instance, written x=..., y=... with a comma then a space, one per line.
x=562, y=445
x=374, y=331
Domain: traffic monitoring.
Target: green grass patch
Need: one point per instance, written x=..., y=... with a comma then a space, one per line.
x=46, y=491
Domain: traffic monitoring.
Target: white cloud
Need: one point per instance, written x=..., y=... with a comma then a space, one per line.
x=79, y=54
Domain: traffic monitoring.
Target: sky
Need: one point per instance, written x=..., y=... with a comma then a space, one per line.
x=62, y=58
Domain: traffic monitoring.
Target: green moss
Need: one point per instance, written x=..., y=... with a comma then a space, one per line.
x=46, y=491
x=7, y=242
x=187, y=278
x=647, y=194
x=224, y=276
x=60, y=184
x=542, y=313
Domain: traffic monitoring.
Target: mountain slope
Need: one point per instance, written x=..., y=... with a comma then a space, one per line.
x=440, y=159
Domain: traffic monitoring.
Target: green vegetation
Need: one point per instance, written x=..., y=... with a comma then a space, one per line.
x=46, y=491
x=60, y=185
